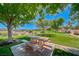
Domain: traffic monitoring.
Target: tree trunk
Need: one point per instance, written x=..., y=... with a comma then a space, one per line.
x=42, y=30
x=9, y=27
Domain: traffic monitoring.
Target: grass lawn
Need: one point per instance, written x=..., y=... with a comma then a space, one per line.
x=58, y=52
x=5, y=50
x=2, y=38
x=58, y=38
x=62, y=39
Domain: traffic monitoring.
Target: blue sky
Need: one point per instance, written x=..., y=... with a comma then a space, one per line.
x=64, y=14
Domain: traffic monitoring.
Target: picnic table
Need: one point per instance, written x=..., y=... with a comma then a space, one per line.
x=39, y=44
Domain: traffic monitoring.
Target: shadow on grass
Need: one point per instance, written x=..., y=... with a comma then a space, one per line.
x=58, y=52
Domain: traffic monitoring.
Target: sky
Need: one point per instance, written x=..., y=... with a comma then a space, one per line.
x=64, y=14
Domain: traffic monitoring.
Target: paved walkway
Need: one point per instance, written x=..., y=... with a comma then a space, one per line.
x=18, y=50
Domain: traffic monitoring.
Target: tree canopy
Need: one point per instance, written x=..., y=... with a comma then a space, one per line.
x=12, y=14
x=42, y=23
x=55, y=24
x=17, y=13
x=24, y=12
x=74, y=14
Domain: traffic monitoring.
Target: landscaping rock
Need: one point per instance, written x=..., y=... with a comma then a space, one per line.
x=24, y=41
x=21, y=41
x=18, y=40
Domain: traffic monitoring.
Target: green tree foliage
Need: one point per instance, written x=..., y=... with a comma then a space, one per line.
x=75, y=14
x=55, y=24
x=50, y=9
x=42, y=24
x=12, y=14
x=69, y=25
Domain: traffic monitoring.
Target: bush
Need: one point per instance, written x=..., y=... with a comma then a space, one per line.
x=46, y=35
x=26, y=38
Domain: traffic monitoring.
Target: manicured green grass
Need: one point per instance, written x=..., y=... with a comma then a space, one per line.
x=62, y=39
x=58, y=52
x=2, y=38
x=5, y=50
x=23, y=37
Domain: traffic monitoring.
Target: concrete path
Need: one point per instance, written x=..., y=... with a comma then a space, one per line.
x=18, y=50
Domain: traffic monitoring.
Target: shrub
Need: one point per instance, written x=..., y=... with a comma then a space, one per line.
x=26, y=38
x=46, y=35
